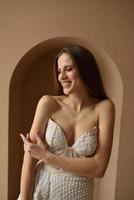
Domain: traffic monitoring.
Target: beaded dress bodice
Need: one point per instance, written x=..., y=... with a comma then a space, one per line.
x=85, y=145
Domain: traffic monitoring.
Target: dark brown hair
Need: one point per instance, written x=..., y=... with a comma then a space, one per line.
x=88, y=71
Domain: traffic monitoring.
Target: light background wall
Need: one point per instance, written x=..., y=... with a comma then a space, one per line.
x=107, y=24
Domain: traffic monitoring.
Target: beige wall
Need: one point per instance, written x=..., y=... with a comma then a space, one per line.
x=107, y=24
x=31, y=79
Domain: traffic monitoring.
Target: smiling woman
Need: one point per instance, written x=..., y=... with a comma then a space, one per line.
x=82, y=62
x=67, y=73
x=71, y=134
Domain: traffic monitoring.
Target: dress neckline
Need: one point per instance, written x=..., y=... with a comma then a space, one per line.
x=89, y=131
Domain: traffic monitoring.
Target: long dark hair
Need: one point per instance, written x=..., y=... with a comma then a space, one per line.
x=88, y=71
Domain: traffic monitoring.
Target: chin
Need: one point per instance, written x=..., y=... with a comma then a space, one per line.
x=67, y=91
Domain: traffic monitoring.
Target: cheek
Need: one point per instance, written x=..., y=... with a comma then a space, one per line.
x=75, y=76
x=77, y=80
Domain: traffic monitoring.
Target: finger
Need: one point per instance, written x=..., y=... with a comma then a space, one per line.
x=28, y=137
x=23, y=138
x=38, y=137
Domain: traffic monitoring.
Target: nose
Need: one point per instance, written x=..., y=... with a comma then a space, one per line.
x=63, y=75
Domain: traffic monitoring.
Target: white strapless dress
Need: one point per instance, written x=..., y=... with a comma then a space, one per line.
x=53, y=183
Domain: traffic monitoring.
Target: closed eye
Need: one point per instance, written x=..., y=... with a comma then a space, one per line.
x=69, y=68
x=66, y=68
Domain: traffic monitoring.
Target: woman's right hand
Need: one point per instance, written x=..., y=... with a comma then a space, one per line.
x=37, y=150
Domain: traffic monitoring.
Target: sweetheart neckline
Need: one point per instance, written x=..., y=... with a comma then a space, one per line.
x=63, y=132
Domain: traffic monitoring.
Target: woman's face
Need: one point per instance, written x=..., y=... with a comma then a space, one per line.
x=68, y=74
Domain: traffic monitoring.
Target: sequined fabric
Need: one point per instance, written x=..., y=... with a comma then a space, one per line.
x=54, y=183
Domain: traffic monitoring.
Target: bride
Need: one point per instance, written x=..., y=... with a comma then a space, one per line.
x=71, y=135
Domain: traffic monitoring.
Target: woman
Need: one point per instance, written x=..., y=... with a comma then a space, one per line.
x=78, y=126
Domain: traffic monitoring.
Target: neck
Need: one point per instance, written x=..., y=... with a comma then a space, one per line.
x=77, y=101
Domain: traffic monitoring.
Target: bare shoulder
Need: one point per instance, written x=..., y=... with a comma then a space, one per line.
x=106, y=113
x=106, y=105
x=50, y=102
x=47, y=99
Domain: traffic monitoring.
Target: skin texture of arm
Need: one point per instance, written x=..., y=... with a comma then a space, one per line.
x=96, y=165
x=43, y=110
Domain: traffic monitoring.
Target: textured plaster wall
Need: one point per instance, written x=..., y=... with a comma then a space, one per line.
x=107, y=24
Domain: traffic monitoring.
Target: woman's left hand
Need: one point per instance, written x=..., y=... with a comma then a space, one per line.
x=37, y=150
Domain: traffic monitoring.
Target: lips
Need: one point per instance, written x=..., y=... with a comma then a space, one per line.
x=66, y=84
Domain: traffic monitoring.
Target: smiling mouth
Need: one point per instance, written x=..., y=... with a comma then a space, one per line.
x=66, y=84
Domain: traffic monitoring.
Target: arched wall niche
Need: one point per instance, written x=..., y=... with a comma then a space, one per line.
x=31, y=79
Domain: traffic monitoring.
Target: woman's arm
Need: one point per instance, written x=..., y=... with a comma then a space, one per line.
x=96, y=165
x=43, y=110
